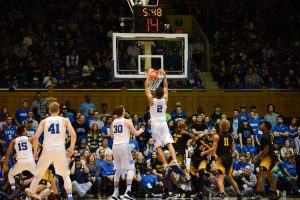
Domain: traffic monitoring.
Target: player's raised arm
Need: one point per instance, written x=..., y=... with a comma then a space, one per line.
x=133, y=131
x=36, y=137
x=166, y=89
x=147, y=90
x=73, y=137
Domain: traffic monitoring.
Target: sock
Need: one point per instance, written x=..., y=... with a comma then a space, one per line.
x=128, y=188
x=70, y=194
x=175, y=162
x=166, y=166
x=116, y=191
x=13, y=187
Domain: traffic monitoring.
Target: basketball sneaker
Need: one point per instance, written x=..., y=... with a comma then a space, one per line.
x=116, y=197
x=274, y=196
x=128, y=195
x=177, y=169
x=224, y=196
x=255, y=197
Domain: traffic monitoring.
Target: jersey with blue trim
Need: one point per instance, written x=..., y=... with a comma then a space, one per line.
x=158, y=110
x=121, y=132
x=9, y=133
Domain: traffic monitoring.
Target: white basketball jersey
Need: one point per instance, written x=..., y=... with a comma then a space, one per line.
x=121, y=132
x=23, y=148
x=54, y=132
x=158, y=110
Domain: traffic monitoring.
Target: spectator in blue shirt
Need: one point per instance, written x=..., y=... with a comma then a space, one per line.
x=66, y=114
x=134, y=145
x=290, y=170
x=249, y=147
x=280, y=133
x=253, y=121
x=178, y=113
x=240, y=166
x=85, y=106
x=107, y=173
x=243, y=114
x=148, y=182
x=21, y=114
x=8, y=132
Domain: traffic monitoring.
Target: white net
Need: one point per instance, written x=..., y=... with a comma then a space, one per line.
x=153, y=84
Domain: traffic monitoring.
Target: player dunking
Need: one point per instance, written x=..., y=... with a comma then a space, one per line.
x=160, y=130
x=224, y=146
x=120, y=132
x=25, y=160
x=54, y=128
x=268, y=161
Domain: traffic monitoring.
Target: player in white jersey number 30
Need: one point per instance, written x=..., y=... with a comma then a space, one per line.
x=120, y=131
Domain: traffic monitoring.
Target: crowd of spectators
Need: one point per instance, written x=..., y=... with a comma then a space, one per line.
x=255, y=42
x=63, y=44
x=92, y=164
x=68, y=44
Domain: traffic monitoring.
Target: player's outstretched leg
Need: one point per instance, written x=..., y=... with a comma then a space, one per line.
x=167, y=169
x=175, y=168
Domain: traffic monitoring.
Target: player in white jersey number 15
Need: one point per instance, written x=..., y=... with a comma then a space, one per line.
x=120, y=131
x=25, y=160
x=54, y=151
x=160, y=130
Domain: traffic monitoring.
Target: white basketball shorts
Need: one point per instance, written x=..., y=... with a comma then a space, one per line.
x=122, y=157
x=161, y=134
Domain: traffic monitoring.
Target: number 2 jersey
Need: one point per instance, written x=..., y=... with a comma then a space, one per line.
x=54, y=133
x=158, y=110
x=23, y=148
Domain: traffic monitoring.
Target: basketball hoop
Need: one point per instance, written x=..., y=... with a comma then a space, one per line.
x=154, y=83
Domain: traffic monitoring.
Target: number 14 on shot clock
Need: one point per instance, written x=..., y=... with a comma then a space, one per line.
x=148, y=19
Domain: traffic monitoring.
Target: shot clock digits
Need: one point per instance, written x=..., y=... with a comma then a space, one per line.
x=148, y=19
x=152, y=12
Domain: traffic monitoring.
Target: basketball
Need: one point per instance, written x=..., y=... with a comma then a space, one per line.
x=153, y=76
